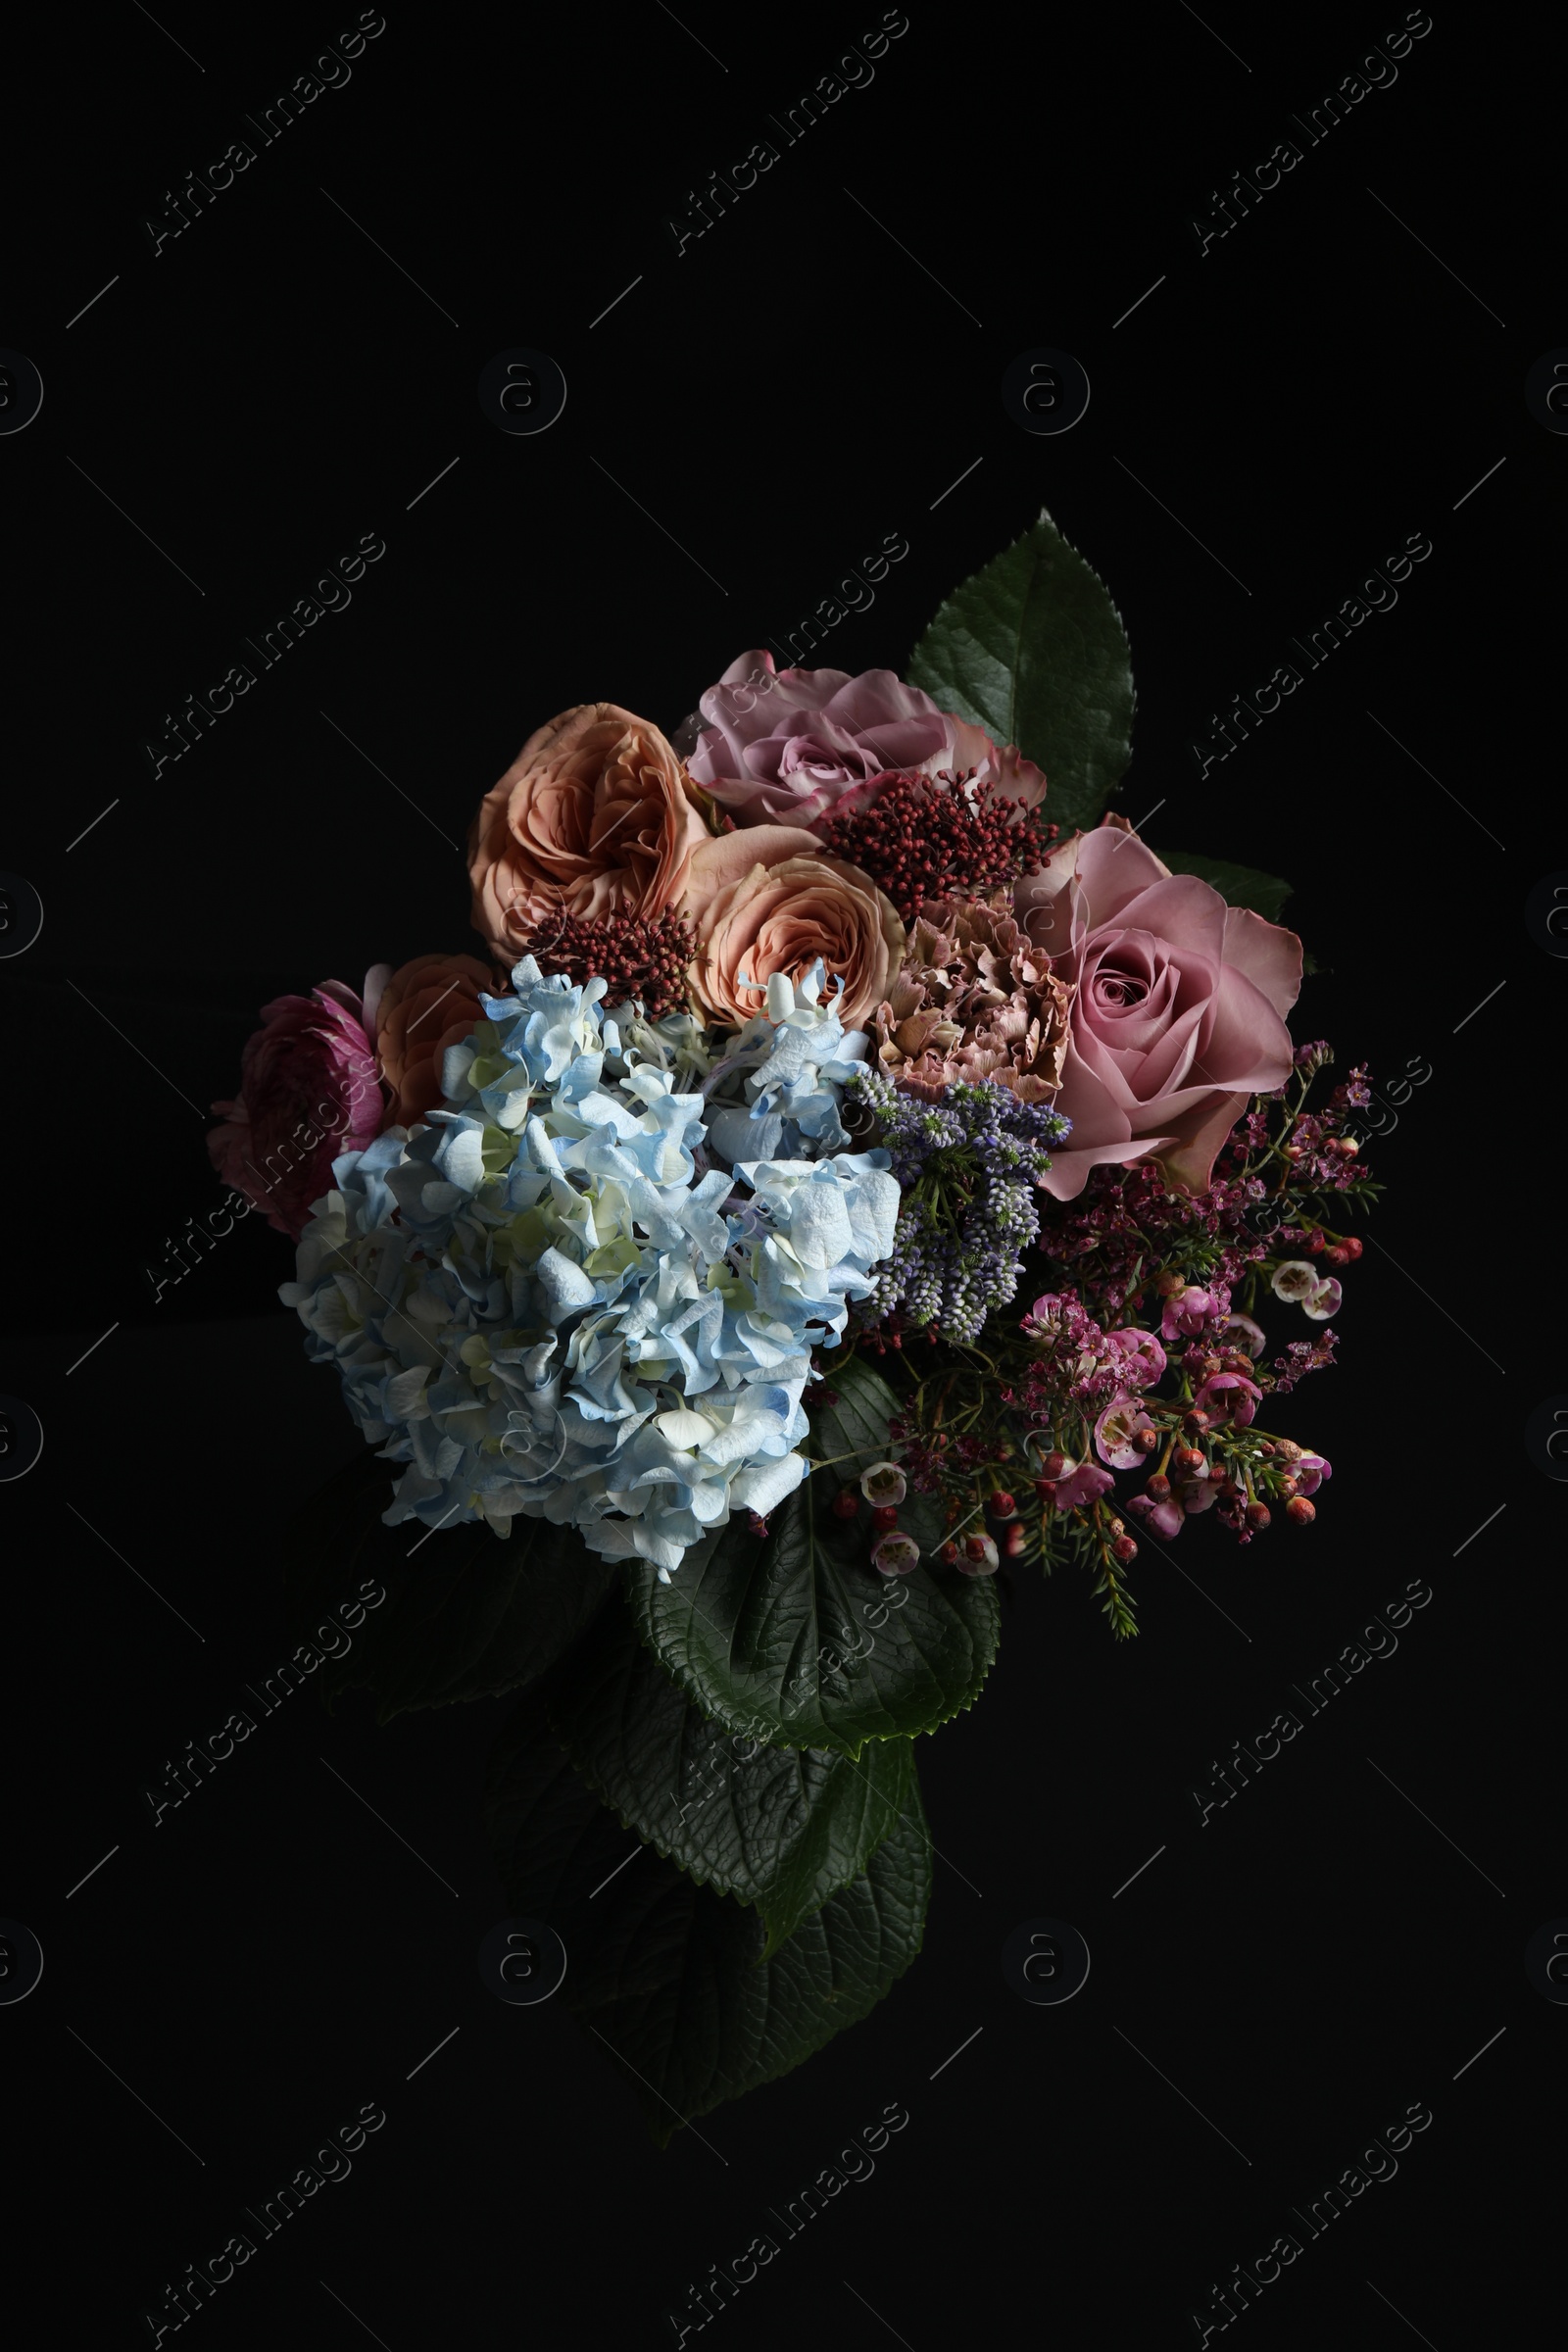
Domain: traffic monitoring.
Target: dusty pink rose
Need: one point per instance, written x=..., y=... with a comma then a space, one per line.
x=766, y=900
x=426, y=1006
x=973, y=999
x=596, y=815
x=784, y=746
x=1178, y=1013
x=307, y=1094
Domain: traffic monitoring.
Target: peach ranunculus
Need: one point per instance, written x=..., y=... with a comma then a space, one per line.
x=427, y=1004
x=760, y=906
x=595, y=817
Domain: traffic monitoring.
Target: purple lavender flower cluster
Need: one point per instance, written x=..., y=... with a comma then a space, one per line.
x=969, y=1169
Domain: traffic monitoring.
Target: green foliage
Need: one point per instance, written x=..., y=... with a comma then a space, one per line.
x=671, y=1977
x=780, y=1829
x=1032, y=648
x=796, y=1639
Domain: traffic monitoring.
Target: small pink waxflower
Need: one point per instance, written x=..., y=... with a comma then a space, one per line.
x=1164, y=1518
x=1114, y=1432
x=1310, y=1472
x=1228, y=1397
x=1187, y=1310
x=1077, y=1488
x=1297, y=1277
x=1248, y=1335
x=1140, y=1358
x=1323, y=1303
x=895, y=1556
x=884, y=1484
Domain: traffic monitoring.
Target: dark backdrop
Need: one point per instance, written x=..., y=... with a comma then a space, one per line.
x=1270, y=417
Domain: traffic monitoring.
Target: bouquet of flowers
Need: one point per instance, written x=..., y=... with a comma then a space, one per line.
x=849, y=1169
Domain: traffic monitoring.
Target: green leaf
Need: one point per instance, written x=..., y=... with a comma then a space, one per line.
x=467, y=1615
x=670, y=1975
x=780, y=1829
x=1033, y=650
x=796, y=1639
x=1237, y=885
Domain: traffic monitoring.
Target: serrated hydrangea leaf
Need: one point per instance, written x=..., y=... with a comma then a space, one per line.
x=668, y=1975
x=1237, y=885
x=796, y=1639
x=780, y=1829
x=467, y=1615
x=1032, y=648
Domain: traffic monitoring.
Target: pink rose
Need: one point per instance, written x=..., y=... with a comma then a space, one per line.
x=1178, y=1013
x=307, y=1094
x=426, y=1006
x=783, y=746
x=766, y=900
x=596, y=815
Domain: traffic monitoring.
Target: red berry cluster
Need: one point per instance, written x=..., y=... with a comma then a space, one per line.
x=638, y=956
x=926, y=837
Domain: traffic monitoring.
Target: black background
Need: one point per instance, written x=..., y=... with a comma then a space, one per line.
x=1304, y=396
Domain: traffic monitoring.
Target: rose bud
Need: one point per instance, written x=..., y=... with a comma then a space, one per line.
x=846, y=1503
x=1002, y=1505
x=979, y=1557
x=895, y=1556
x=1012, y=1541
x=883, y=1483
x=948, y=1554
x=1146, y=1440
x=1336, y=1255
x=1300, y=1510
x=1125, y=1550
x=1189, y=1458
x=885, y=1519
x=1351, y=1247
x=1158, y=1488
x=1258, y=1514
x=1194, y=1423
x=1053, y=1466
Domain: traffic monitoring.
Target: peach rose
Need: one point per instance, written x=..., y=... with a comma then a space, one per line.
x=595, y=816
x=762, y=907
x=427, y=1004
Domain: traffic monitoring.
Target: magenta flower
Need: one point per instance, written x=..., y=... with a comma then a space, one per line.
x=1077, y=1488
x=785, y=747
x=1229, y=1397
x=1310, y=1472
x=1250, y=1334
x=308, y=1093
x=1186, y=1313
x=1141, y=1358
x=1164, y=1518
x=1114, y=1430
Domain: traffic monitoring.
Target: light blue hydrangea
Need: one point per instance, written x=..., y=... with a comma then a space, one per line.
x=546, y=1303
x=797, y=1058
